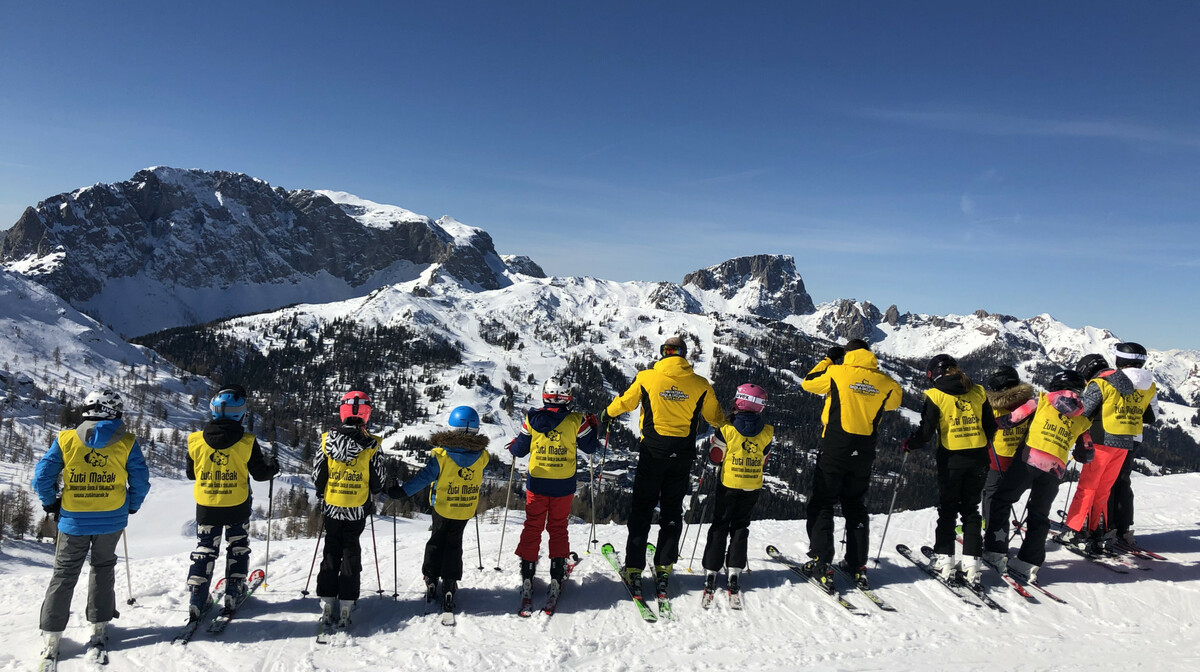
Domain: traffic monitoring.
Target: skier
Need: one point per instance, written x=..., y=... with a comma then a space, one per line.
x=673, y=399
x=1055, y=428
x=958, y=411
x=455, y=471
x=221, y=459
x=856, y=394
x=740, y=450
x=1005, y=393
x=550, y=435
x=346, y=473
x=1119, y=402
x=106, y=481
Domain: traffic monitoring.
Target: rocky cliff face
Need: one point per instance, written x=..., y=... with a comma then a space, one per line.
x=183, y=246
x=766, y=285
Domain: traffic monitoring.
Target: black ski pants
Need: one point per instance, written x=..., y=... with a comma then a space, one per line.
x=1043, y=488
x=1120, y=497
x=841, y=477
x=341, y=563
x=443, y=551
x=663, y=482
x=731, y=524
x=960, y=484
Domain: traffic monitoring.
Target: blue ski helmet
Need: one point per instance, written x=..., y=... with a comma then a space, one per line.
x=229, y=403
x=464, y=419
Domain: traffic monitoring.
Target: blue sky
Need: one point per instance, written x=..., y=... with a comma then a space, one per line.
x=942, y=156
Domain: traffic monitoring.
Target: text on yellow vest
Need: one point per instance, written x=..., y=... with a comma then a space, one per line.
x=1007, y=441
x=1054, y=433
x=960, y=425
x=456, y=492
x=94, y=480
x=222, y=476
x=349, y=483
x=742, y=467
x=552, y=455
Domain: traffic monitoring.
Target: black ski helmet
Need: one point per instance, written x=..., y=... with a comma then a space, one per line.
x=1129, y=355
x=1090, y=365
x=939, y=365
x=1067, y=379
x=1003, y=378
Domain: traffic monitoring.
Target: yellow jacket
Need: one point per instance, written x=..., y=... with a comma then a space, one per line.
x=856, y=395
x=673, y=400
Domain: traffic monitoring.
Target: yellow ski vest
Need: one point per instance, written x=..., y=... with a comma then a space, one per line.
x=222, y=476
x=1007, y=441
x=1123, y=414
x=552, y=455
x=349, y=483
x=1054, y=433
x=94, y=479
x=960, y=426
x=742, y=467
x=456, y=493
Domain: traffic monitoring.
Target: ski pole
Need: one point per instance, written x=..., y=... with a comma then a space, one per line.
x=320, y=533
x=128, y=579
x=395, y=563
x=592, y=479
x=1063, y=511
x=478, y=544
x=692, y=506
x=507, y=497
x=270, y=515
x=700, y=525
x=888, y=521
x=375, y=554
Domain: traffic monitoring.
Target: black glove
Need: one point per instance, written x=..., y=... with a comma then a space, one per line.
x=836, y=354
x=1083, y=454
x=132, y=511
x=369, y=507
x=395, y=492
x=53, y=509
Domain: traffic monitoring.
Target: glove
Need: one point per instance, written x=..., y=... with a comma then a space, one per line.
x=395, y=492
x=1083, y=454
x=716, y=455
x=53, y=508
x=604, y=420
x=132, y=511
x=369, y=507
x=590, y=420
x=836, y=354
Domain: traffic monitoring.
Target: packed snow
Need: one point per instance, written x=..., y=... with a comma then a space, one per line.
x=1144, y=619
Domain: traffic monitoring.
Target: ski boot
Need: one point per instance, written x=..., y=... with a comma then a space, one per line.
x=528, y=569
x=733, y=581
x=344, y=609
x=328, y=609
x=448, y=597
x=1025, y=569
x=662, y=577
x=235, y=591
x=99, y=636
x=859, y=574
x=431, y=589
x=633, y=578
x=558, y=572
x=197, y=602
x=1073, y=538
x=943, y=564
x=971, y=569
x=51, y=641
x=821, y=572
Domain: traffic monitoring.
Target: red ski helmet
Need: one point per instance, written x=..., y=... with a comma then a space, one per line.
x=355, y=404
x=750, y=397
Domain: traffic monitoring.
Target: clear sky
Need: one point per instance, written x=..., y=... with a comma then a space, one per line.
x=1019, y=157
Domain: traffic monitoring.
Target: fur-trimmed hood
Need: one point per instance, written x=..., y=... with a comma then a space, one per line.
x=450, y=439
x=1007, y=400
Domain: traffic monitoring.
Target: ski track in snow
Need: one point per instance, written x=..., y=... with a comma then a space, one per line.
x=1143, y=619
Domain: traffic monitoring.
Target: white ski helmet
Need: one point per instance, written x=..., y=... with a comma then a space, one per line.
x=103, y=405
x=555, y=391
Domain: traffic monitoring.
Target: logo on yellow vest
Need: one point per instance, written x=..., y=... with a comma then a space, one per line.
x=96, y=459
x=466, y=473
x=554, y=435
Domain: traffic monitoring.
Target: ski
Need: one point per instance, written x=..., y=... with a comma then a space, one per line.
x=1013, y=583
x=96, y=652
x=189, y=629
x=552, y=597
x=870, y=594
x=928, y=569
x=448, y=609
x=328, y=630
x=526, y=608
x=978, y=591
x=646, y=612
x=664, y=602
x=735, y=600
x=1024, y=580
x=835, y=596
x=49, y=664
x=1105, y=561
x=706, y=599
x=1138, y=551
x=221, y=621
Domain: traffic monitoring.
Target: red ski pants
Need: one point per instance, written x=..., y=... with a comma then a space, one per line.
x=545, y=513
x=1090, y=503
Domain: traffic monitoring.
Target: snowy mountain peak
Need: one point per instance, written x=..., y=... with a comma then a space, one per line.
x=767, y=285
x=170, y=247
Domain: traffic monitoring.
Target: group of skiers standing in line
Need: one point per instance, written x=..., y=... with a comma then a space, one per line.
x=992, y=445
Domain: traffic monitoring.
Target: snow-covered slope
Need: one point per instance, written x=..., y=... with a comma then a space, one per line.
x=1145, y=619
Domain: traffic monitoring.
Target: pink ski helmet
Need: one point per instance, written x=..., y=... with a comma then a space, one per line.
x=355, y=404
x=750, y=397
